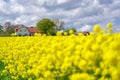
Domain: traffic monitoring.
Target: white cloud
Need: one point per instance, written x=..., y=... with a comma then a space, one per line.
x=17, y=8
x=61, y=1
x=96, y=2
x=2, y=6
x=47, y=2
x=2, y=3
x=117, y=29
x=85, y=28
x=34, y=18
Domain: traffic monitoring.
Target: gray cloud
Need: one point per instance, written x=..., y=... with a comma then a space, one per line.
x=106, y=1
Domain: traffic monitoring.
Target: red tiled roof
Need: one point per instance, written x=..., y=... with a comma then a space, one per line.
x=33, y=29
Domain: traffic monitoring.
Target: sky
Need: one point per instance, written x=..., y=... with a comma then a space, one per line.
x=79, y=14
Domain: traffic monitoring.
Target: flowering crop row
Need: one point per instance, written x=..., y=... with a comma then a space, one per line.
x=92, y=57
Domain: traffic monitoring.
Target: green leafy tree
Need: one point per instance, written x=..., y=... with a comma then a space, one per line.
x=1, y=27
x=74, y=30
x=1, y=30
x=11, y=31
x=46, y=26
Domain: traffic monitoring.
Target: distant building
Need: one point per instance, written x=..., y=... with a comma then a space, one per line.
x=21, y=30
x=26, y=31
x=86, y=33
x=32, y=30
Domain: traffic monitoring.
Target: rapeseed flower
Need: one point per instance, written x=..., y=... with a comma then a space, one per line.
x=96, y=28
x=109, y=25
x=80, y=76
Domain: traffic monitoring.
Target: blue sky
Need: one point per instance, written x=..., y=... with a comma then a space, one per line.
x=79, y=14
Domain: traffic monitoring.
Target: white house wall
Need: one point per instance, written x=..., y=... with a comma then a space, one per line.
x=22, y=31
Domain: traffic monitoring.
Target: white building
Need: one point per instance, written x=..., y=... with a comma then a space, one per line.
x=21, y=30
x=25, y=31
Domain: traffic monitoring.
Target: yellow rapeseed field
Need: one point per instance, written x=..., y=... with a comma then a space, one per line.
x=92, y=57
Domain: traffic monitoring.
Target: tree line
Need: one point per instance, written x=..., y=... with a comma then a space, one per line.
x=50, y=27
x=45, y=25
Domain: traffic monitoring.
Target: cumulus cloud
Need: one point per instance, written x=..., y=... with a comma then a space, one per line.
x=84, y=28
x=117, y=29
x=75, y=13
x=61, y=1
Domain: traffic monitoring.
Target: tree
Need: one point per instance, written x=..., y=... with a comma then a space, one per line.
x=11, y=31
x=46, y=26
x=74, y=30
x=8, y=28
x=59, y=25
x=1, y=28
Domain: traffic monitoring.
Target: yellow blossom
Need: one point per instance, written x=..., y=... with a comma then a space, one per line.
x=80, y=76
x=96, y=28
x=109, y=25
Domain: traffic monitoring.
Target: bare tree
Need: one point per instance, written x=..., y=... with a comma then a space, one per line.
x=59, y=24
x=8, y=28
